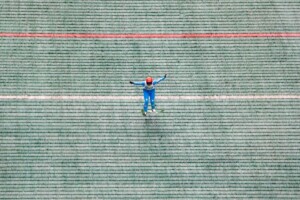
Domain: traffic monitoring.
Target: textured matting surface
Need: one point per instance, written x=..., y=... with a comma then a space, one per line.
x=104, y=148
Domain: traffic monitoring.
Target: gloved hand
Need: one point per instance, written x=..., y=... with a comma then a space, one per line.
x=131, y=82
x=165, y=75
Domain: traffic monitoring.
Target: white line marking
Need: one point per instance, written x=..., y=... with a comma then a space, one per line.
x=197, y=98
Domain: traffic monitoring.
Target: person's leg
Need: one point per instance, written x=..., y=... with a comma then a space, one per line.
x=146, y=100
x=152, y=99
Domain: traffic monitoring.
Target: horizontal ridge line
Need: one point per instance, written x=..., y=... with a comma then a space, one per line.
x=101, y=98
x=149, y=35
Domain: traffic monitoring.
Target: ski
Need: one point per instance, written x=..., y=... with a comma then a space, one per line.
x=150, y=111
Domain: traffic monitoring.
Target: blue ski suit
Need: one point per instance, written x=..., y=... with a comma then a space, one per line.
x=149, y=91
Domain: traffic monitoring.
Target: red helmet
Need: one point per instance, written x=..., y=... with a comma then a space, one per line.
x=149, y=80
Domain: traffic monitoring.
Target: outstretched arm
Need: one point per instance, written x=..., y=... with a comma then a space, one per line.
x=159, y=80
x=137, y=83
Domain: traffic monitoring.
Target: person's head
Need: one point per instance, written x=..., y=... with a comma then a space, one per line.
x=149, y=80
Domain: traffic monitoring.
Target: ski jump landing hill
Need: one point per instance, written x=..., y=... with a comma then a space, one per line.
x=70, y=122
